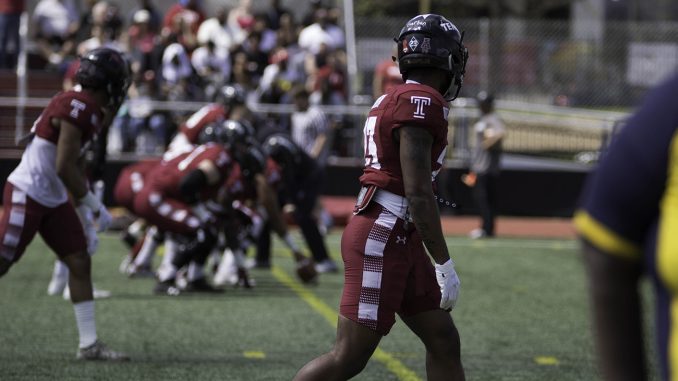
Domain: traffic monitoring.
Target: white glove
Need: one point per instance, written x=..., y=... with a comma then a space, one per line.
x=87, y=219
x=104, y=218
x=449, y=284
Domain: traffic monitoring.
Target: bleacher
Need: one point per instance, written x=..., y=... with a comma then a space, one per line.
x=40, y=84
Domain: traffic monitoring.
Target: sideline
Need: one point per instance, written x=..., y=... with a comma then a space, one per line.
x=391, y=363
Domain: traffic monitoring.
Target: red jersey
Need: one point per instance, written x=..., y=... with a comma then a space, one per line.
x=37, y=174
x=166, y=177
x=411, y=104
x=208, y=114
x=12, y=6
x=75, y=107
x=192, y=17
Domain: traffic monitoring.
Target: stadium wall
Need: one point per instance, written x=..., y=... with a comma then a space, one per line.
x=522, y=192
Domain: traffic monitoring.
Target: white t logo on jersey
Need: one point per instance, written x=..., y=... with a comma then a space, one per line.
x=77, y=107
x=420, y=102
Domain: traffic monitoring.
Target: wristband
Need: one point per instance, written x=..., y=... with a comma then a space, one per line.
x=91, y=201
x=290, y=243
x=446, y=267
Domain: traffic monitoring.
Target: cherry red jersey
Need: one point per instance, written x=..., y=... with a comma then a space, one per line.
x=208, y=114
x=36, y=174
x=166, y=177
x=410, y=104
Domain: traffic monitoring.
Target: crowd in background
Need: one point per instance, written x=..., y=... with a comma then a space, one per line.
x=188, y=54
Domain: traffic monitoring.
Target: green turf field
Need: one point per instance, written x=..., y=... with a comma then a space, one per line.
x=522, y=315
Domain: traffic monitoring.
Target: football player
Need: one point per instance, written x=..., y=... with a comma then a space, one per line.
x=36, y=195
x=230, y=99
x=396, y=218
x=172, y=199
x=628, y=222
x=130, y=181
x=299, y=186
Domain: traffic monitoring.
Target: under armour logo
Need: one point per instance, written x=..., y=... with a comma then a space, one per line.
x=401, y=240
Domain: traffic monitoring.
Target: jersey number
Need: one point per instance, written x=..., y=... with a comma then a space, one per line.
x=371, y=157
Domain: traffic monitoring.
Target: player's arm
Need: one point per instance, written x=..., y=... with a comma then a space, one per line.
x=616, y=314
x=206, y=173
x=68, y=163
x=415, y=159
x=269, y=200
x=318, y=145
x=492, y=136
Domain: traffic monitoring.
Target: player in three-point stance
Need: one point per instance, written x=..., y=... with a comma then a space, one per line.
x=387, y=270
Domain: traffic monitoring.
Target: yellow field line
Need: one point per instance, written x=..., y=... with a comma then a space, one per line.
x=330, y=315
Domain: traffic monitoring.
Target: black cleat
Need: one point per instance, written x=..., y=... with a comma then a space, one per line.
x=166, y=287
x=201, y=285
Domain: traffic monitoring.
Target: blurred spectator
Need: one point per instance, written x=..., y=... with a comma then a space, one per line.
x=309, y=17
x=240, y=74
x=310, y=128
x=213, y=65
x=288, y=32
x=334, y=28
x=268, y=36
x=86, y=20
x=278, y=79
x=217, y=30
x=329, y=83
x=240, y=19
x=312, y=37
x=386, y=76
x=141, y=43
x=178, y=76
x=10, y=15
x=154, y=16
x=105, y=29
x=55, y=23
x=273, y=13
x=138, y=127
x=183, y=20
x=256, y=60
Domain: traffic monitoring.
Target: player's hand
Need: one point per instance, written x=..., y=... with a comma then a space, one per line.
x=104, y=219
x=87, y=219
x=449, y=284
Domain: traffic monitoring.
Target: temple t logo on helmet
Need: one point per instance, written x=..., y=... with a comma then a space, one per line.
x=432, y=41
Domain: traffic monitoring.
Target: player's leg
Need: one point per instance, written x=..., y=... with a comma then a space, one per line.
x=420, y=311
x=63, y=233
x=18, y=224
x=303, y=215
x=372, y=292
x=437, y=331
x=59, y=279
x=352, y=350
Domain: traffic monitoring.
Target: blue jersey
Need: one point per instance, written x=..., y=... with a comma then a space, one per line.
x=629, y=206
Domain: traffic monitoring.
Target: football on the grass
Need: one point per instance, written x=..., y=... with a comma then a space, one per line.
x=306, y=271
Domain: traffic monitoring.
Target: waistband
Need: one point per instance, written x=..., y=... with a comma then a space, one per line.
x=398, y=205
